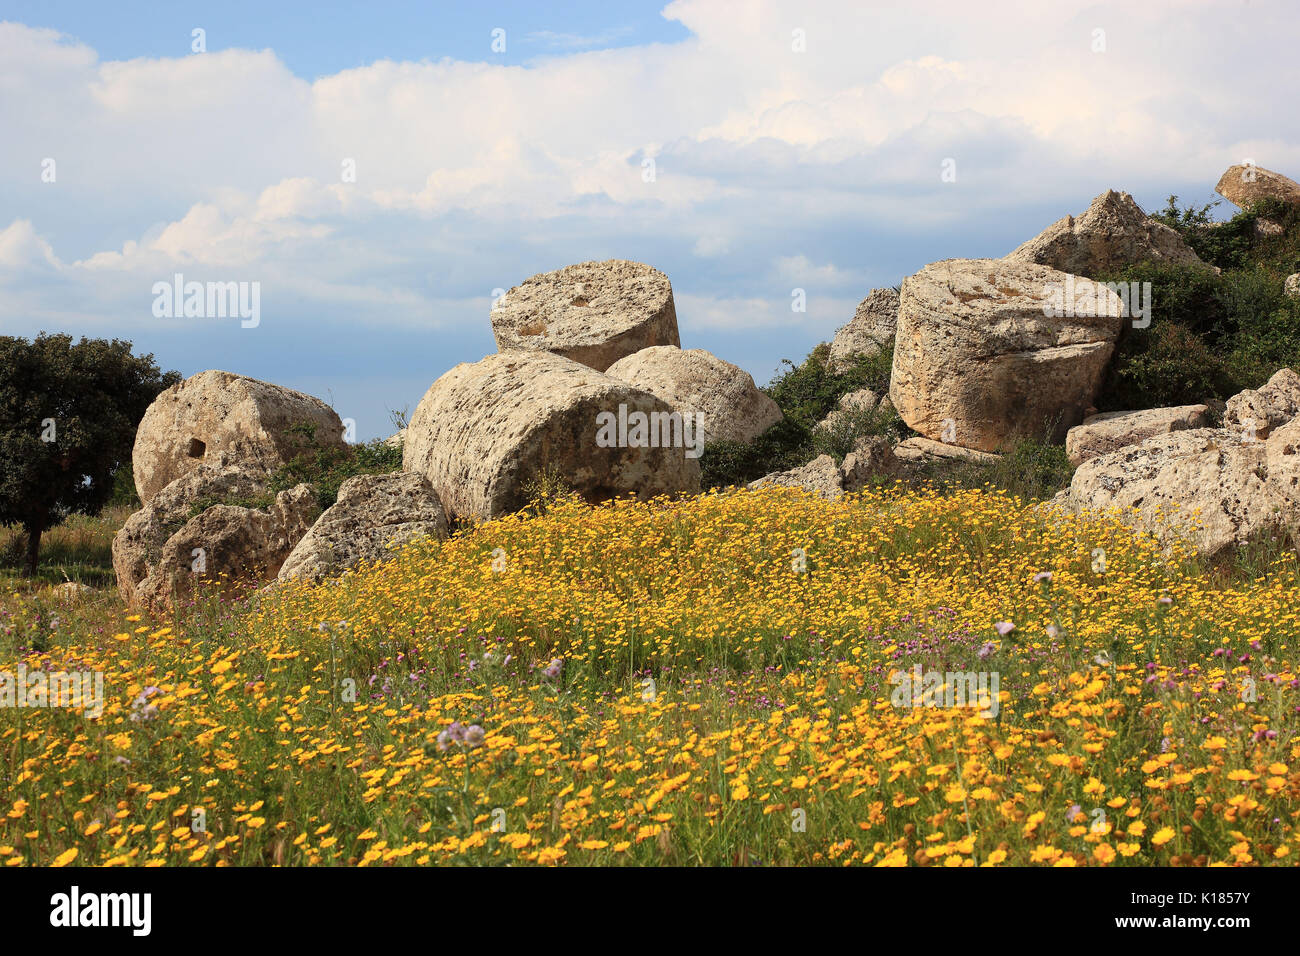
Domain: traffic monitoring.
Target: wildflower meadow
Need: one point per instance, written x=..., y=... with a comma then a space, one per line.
x=899, y=678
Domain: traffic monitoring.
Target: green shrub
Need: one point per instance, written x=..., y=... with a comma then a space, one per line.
x=545, y=489
x=852, y=426
x=1189, y=296
x=1234, y=244
x=1166, y=364
x=806, y=394
x=1268, y=330
x=809, y=392
x=1210, y=335
x=325, y=468
x=787, y=444
x=1226, y=245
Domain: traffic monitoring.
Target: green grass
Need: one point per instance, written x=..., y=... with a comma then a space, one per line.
x=1032, y=470
x=80, y=549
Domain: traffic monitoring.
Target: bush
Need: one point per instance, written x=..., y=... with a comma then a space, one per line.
x=1234, y=244
x=1268, y=332
x=325, y=468
x=1211, y=335
x=806, y=394
x=545, y=489
x=1226, y=245
x=787, y=444
x=809, y=392
x=1166, y=364
x=1191, y=296
x=851, y=427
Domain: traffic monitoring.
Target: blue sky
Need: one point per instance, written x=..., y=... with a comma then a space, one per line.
x=795, y=145
x=318, y=39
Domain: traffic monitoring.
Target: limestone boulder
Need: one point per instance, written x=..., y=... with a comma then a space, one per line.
x=921, y=451
x=863, y=400
x=872, y=458
x=256, y=423
x=1243, y=185
x=373, y=515
x=137, y=546
x=594, y=313
x=820, y=476
x=486, y=430
x=1205, y=485
x=217, y=524
x=1282, y=464
x=1110, y=431
x=1114, y=232
x=991, y=350
x=729, y=405
x=1256, y=412
x=871, y=329
x=1292, y=285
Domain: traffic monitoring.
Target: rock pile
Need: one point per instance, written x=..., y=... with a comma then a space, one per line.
x=488, y=430
x=591, y=391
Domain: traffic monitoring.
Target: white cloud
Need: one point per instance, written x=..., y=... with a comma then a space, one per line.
x=823, y=313
x=707, y=247
x=801, y=269
x=772, y=168
x=22, y=248
x=576, y=41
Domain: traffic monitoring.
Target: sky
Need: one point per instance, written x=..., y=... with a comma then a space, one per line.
x=382, y=171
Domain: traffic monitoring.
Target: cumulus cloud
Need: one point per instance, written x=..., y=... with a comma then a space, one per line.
x=782, y=143
x=22, y=249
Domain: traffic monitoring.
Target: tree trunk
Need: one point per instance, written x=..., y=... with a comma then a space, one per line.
x=33, y=549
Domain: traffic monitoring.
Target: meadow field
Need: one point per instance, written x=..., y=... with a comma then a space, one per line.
x=711, y=681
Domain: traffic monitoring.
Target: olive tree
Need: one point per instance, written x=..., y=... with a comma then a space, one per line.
x=68, y=415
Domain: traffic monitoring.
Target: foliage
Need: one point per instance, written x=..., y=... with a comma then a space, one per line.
x=806, y=394
x=1211, y=335
x=545, y=489
x=1165, y=365
x=68, y=416
x=326, y=467
x=1032, y=470
x=850, y=427
x=1237, y=243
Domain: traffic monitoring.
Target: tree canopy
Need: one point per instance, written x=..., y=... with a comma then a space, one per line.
x=68, y=417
